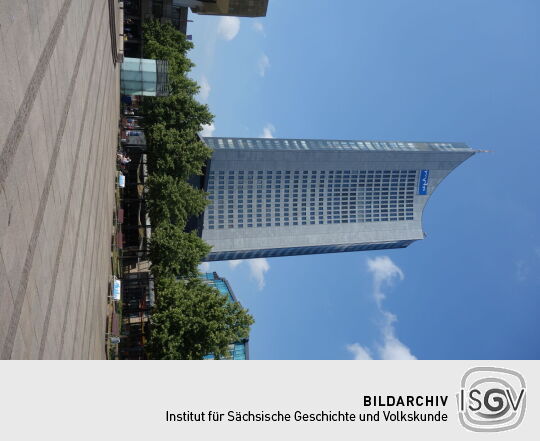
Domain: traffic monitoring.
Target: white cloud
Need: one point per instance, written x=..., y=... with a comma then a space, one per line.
x=258, y=268
x=393, y=349
x=268, y=131
x=234, y=263
x=205, y=89
x=263, y=64
x=228, y=27
x=258, y=26
x=204, y=267
x=207, y=129
x=359, y=352
x=522, y=270
x=384, y=273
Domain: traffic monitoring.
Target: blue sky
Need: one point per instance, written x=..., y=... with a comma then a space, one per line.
x=465, y=71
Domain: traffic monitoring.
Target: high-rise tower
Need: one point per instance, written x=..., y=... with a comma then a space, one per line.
x=284, y=197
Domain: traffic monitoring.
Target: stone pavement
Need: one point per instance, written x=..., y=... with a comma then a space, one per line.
x=59, y=91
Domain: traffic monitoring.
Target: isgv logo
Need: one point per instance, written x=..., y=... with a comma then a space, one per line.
x=491, y=399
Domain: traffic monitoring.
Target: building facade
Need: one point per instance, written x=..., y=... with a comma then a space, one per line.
x=284, y=197
x=238, y=350
x=237, y=8
x=170, y=11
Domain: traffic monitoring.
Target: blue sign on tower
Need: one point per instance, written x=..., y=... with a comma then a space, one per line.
x=423, y=182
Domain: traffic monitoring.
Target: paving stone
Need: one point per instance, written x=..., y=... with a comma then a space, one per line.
x=54, y=307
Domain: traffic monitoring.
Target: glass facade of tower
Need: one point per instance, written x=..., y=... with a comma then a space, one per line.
x=275, y=197
x=238, y=350
x=309, y=197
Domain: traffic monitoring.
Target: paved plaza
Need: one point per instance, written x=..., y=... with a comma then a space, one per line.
x=59, y=91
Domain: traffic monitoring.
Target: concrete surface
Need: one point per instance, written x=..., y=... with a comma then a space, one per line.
x=59, y=92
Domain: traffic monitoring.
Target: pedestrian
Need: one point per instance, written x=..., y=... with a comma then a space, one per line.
x=124, y=159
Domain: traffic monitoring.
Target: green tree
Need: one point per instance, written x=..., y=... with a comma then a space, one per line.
x=175, y=253
x=192, y=319
x=163, y=42
x=171, y=152
x=173, y=200
x=177, y=110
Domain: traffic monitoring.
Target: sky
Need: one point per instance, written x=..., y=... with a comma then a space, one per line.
x=461, y=71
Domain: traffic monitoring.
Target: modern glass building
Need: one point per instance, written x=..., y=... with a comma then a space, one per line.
x=284, y=197
x=239, y=350
x=141, y=76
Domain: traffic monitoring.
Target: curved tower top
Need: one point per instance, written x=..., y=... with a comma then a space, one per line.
x=284, y=197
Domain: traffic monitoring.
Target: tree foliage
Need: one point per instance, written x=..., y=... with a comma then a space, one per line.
x=171, y=152
x=174, y=253
x=177, y=110
x=192, y=319
x=174, y=149
x=163, y=42
x=173, y=200
x=174, y=154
